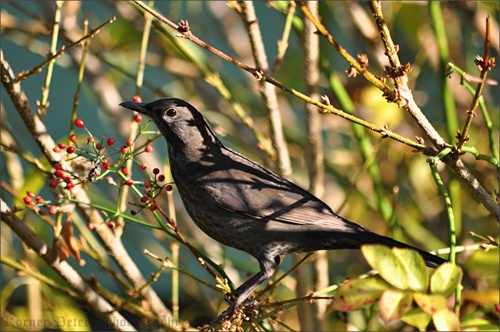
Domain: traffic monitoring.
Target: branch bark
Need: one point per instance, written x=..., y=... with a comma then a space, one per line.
x=267, y=91
x=314, y=155
x=92, y=299
x=46, y=143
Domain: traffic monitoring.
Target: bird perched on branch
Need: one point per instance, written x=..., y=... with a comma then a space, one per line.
x=244, y=205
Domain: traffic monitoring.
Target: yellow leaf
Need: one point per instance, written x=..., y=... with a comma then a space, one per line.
x=430, y=303
x=445, y=320
x=393, y=304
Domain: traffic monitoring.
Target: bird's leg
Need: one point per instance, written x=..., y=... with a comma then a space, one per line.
x=267, y=267
x=245, y=289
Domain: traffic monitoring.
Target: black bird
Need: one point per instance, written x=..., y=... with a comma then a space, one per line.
x=242, y=204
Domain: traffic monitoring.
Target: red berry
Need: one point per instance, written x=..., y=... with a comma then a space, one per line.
x=72, y=138
x=138, y=118
x=137, y=99
x=98, y=146
x=148, y=148
x=111, y=224
x=53, y=209
x=168, y=187
x=123, y=149
x=56, y=149
x=79, y=123
x=70, y=185
x=161, y=177
x=497, y=307
x=144, y=167
x=30, y=194
x=152, y=207
x=70, y=149
x=67, y=179
x=105, y=165
x=90, y=139
x=53, y=183
x=39, y=199
x=147, y=183
x=62, y=145
x=59, y=174
x=124, y=170
x=130, y=142
x=129, y=182
x=91, y=226
x=110, y=141
x=28, y=200
x=144, y=199
x=58, y=166
x=156, y=171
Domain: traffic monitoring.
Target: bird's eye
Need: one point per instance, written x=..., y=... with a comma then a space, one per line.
x=171, y=112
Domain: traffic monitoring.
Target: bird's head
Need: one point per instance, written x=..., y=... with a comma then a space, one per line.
x=179, y=121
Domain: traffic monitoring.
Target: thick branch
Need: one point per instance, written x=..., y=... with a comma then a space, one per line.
x=466, y=177
x=267, y=91
x=314, y=155
x=92, y=299
x=185, y=32
x=46, y=143
x=405, y=99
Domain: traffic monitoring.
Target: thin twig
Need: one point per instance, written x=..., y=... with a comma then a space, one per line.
x=183, y=28
x=170, y=265
x=81, y=71
x=43, y=104
x=482, y=105
x=451, y=225
x=388, y=93
x=26, y=269
x=25, y=74
x=174, y=246
x=173, y=226
x=268, y=92
x=484, y=64
x=215, y=80
x=411, y=107
x=283, y=42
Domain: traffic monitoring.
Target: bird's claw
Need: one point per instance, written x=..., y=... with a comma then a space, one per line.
x=226, y=313
x=229, y=298
x=232, y=298
x=233, y=307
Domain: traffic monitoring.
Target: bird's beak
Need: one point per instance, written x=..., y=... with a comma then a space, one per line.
x=138, y=107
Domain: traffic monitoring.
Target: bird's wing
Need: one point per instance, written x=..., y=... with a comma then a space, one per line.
x=264, y=195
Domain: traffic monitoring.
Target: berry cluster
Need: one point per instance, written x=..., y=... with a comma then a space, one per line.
x=105, y=160
x=32, y=199
x=63, y=178
x=152, y=188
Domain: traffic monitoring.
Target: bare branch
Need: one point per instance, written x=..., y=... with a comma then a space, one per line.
x=92, y=299
x=39, y=132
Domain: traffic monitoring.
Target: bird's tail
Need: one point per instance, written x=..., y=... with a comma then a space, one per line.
x=373, y=238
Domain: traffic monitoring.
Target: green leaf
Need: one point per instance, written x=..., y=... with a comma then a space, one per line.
x=393, y=304
x=445, y=320
x=383, y=259
x=478, y=324
x=418, y=318
x=358, y=293
x=416, y=272
x=445, y=279
x=430, y=303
